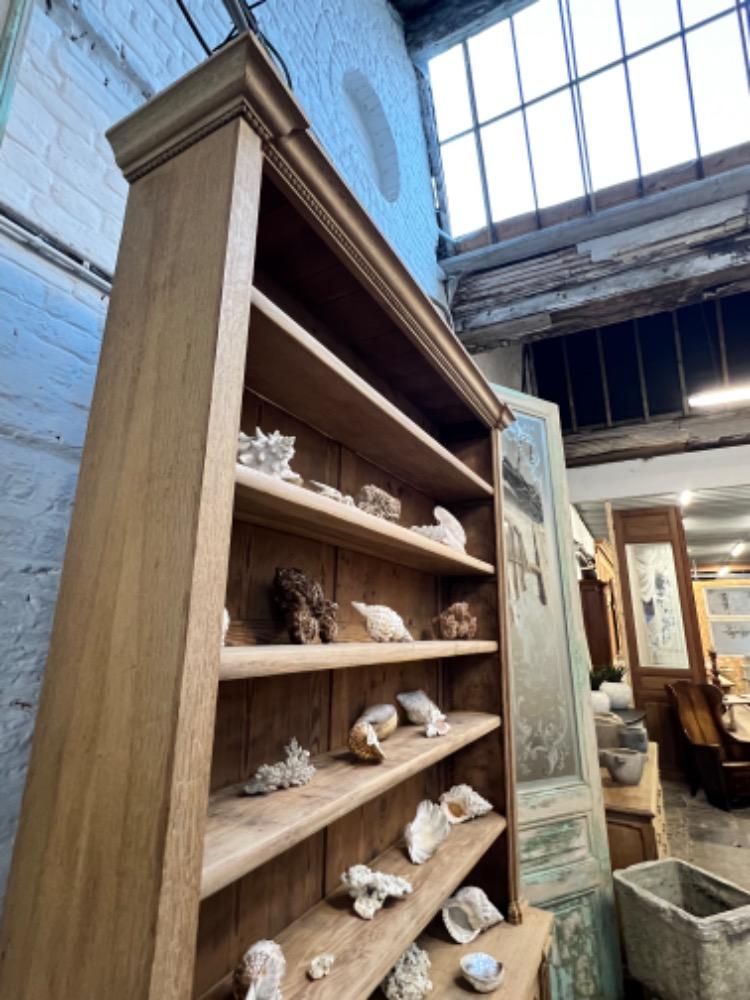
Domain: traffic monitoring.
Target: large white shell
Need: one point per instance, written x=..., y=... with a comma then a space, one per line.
x=448, y=530
x=462, y=803
x=409, y=978
x=369, y=889
x=421, y=710
x=259, y=973
x=468, y=913
x=268, y=453
x=483, y=971
x=292, y=772
x=383, y=624
x=426, y=832
x=320, y=966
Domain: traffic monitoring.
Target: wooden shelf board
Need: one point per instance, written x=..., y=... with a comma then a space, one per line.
x=519, y=947
x=366, y=950
x=244, y=832
x=318, y=387
x=263, y=661
x=274, y=503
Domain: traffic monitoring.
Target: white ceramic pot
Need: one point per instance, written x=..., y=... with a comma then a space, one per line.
x=600, y=702
x=619, y=693
x=625, y=766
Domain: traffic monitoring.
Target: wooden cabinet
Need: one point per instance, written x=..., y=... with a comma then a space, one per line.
x=600, y=621
x=253, y=291
x=636, y=825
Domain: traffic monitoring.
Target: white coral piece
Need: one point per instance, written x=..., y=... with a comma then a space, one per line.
x=409, y=978
x=268, y=453
x=383, y=624
x=369, y=889
x=448, y=530
x=426, y=832
x=331, y=493
x=461, y=803
x=320, y=966
x=294, y=771
x=421, y=710
x=225, y=622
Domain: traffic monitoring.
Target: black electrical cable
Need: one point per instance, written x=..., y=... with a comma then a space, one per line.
x=194, y=27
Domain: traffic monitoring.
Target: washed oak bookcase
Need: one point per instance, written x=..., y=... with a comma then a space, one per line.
x=252, y=289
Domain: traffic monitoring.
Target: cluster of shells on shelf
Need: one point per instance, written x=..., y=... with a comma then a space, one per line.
x=433, y=820
x=378, y=722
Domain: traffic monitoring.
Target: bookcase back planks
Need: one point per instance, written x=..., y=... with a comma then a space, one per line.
x=252, y=290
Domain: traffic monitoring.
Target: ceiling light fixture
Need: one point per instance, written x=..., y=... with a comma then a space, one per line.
x=723, y=571
x=720, y=397
x=737, y=550
x=686, y=497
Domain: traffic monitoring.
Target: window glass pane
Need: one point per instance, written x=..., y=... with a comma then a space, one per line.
x=463, y=185
x=541, y=52
x=554, y=150
x=609, y=136
x=494, y=70
x=647, y=21
x=596, y=35
x=696, y=10
x=507, y=166
x=623, y=377
x=450, y=92
x=662, y=108
x=720, y=89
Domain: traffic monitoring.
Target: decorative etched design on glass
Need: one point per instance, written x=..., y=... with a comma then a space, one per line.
x=657, y=612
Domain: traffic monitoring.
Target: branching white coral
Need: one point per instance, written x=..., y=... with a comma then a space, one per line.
x=370, y=889
x=292, y=772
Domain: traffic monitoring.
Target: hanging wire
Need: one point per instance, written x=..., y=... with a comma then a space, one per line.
x=194, y=27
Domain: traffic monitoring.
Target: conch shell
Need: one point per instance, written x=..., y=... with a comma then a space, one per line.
x=468, y=913
x=376, y=723
x=448, y=530
x=259, y=973
x=462, y=803
x=421, y=710
x=383, y=624
x=268, y=453
x=426, y=832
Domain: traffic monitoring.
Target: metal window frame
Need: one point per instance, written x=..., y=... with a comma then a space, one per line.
x=572, y=85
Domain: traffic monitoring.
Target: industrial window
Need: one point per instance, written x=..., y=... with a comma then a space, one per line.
x=583, y=103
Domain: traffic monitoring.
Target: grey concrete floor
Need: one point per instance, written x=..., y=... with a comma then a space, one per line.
x=706, y=836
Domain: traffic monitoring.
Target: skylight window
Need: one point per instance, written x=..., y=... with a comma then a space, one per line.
x=571, y=97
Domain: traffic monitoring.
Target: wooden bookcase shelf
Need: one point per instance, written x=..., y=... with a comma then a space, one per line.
x=243, y=833
x=242, y=662
x=140, y=749
x=273, y=503
x=325, y=392
x=365, y=950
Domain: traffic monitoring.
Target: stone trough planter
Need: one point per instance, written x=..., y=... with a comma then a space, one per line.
x=686, y=932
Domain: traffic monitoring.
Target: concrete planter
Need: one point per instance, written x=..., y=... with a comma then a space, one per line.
x=686, y=932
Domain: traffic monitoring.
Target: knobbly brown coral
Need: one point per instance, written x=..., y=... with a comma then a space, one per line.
x=307, y=612
x=457, y=622
x=373, y=500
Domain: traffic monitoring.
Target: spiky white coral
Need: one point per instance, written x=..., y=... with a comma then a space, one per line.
x=268, y=453
x=370, y=889
x=292, y=772
x=409, y=978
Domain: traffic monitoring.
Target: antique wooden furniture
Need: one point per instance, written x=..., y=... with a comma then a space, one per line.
x=721, y=761
x=252, y=290
x=654, y=527
x=600, y=621
x=716, y=603
x=636, y=826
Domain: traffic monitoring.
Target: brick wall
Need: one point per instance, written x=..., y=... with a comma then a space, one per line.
x=87, y=63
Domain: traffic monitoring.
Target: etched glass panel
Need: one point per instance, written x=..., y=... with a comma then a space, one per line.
x=657, y=611
x=728, y=601
x=546, y=737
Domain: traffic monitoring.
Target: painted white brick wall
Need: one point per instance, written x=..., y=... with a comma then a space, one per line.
x=86, y=64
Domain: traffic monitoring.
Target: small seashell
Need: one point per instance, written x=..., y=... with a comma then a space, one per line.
x=448, y=530
x=483, y=971
x=259, y=973
x=376, y=723
x=369, y=889
x=462, y=803
x=268, y=453
x=320, y=966
x=421, y=710
x=468, y=913
x=426, y=832
x=331, y=493
x=409, y=978
x=383, y=624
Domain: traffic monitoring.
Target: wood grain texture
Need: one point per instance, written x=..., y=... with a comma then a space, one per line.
x=366, y=950
x=243, y=833
x=521, y=949
x=112, y=828
x=319, y=387
x=259, y=661
x=265, y=500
